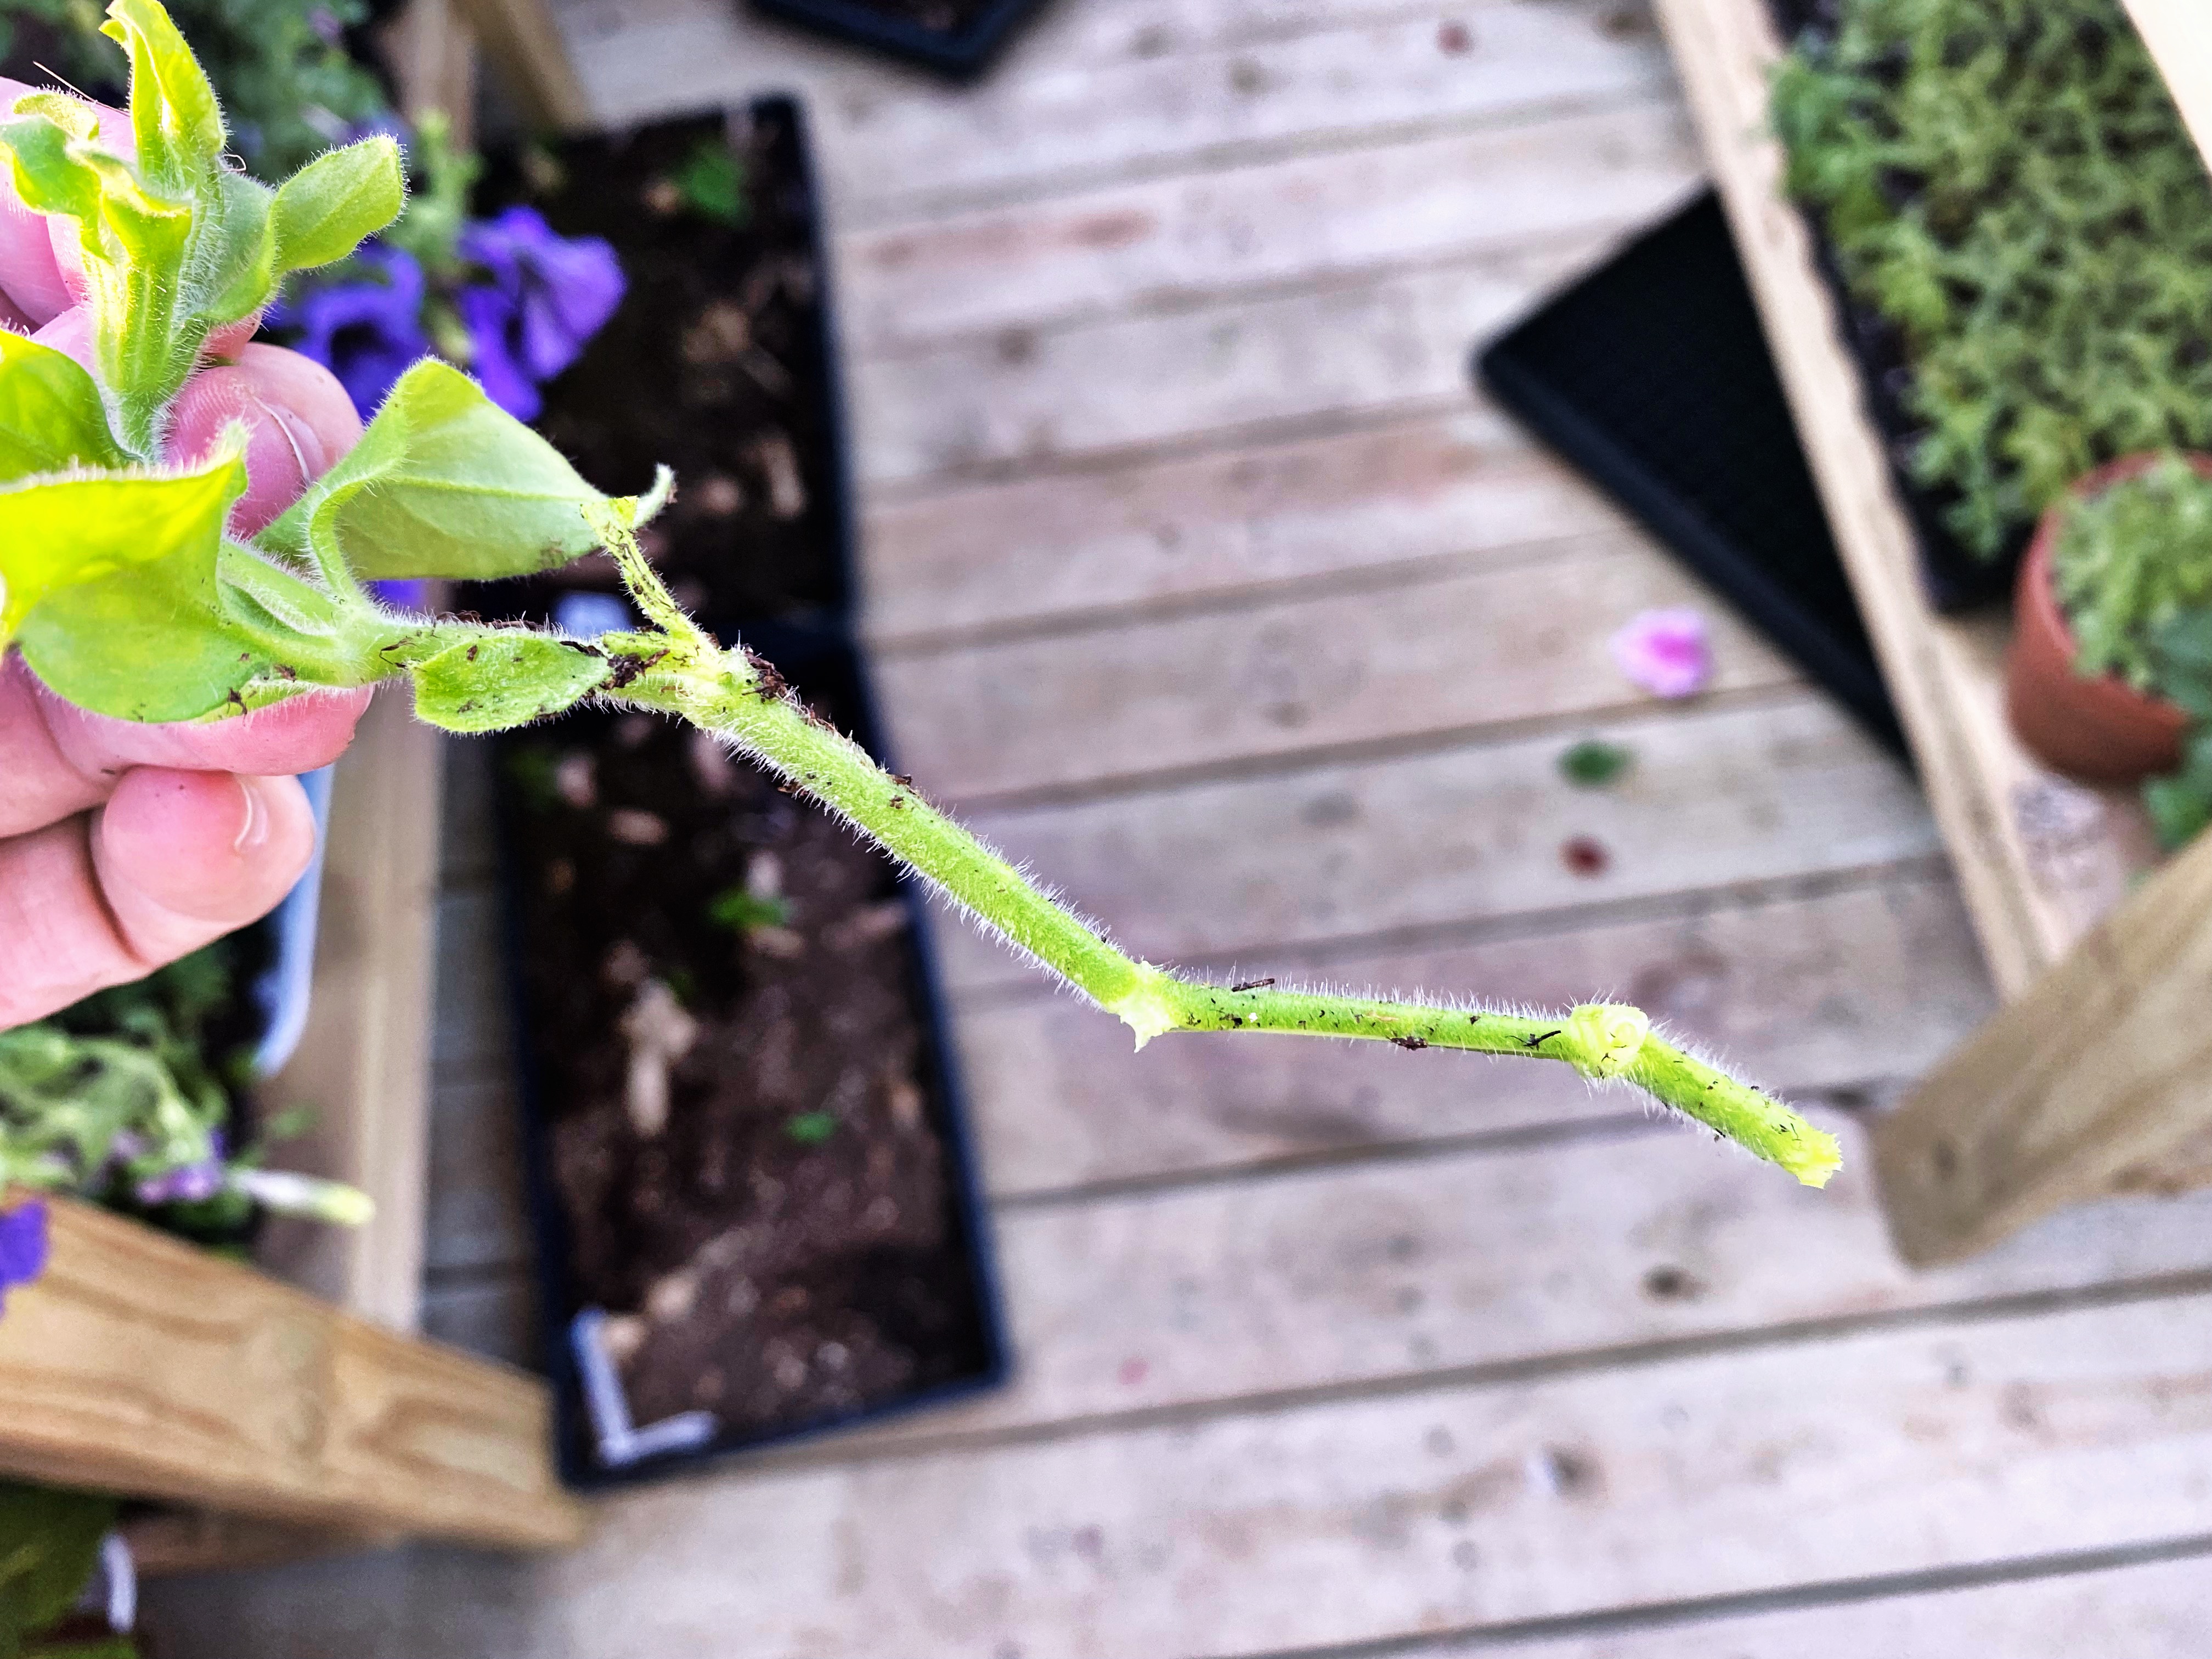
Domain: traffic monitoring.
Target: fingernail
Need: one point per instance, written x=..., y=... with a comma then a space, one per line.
x=253, y=829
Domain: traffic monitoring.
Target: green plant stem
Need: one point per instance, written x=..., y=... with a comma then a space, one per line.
x=737, y=696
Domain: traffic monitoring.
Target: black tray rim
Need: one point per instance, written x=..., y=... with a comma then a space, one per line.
x=960, y=56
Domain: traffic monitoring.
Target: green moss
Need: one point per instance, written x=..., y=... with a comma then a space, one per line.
x=2131, y=560
x=2009, y=182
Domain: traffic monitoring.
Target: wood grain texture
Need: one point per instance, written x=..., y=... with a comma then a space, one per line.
x=1241, y=364
x=363, y=1064
x=1224, y=871
x=1452, y=1507
x=1856, y=988
x=1158, y=534
x=2040, y=859
x=142, y=1365
x=1296, y=218
x=1073, y=112
x=1461, y=646
x=526, y=52
x=1561, y=1256
x=2179, y=35
x=2099, y=1078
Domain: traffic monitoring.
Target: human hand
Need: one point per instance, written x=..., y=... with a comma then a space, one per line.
x=126, y=846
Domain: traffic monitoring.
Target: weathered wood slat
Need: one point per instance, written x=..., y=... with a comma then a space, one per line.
x=2100, y=1078
x=1159, y=533
x=2179, y=35
x=1916, y=1448
x=1763, y=792
x=1486, y=642
x=142, y=1365
x=1075, y=117
x=1030, y=396
x=1324, y=1279
x=2158, y=1610
x=2041, y=860
x=1299, y=218
x=364, y=1064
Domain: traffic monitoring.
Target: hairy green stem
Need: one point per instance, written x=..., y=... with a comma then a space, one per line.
x=737, y=696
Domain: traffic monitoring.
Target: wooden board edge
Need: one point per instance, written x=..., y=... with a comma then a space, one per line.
x=2032, y=891
x=2178, y=34
x=141, y=1365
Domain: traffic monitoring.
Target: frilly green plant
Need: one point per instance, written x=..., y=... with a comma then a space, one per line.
x=126, y=596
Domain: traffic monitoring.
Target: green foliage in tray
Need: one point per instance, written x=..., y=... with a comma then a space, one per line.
x=2008, y=181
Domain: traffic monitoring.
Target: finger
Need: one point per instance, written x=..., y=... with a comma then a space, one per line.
x=56, y=759
x=298, y=417
x=173, y=861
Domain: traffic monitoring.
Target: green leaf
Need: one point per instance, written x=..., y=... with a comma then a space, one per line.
x=49, y=1545
x=445, y=483
x=174, y=114
x=51, y=415
x=505, y=679
x=113, y=599
x=324, y=210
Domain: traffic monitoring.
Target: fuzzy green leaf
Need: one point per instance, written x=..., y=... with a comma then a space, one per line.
x=174, y=115
x=445, y=483
x=51, y=415
x=60, y=533
x=506, y=679
x=324, y=210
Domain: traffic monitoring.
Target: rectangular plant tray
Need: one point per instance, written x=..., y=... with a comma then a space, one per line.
x=960, y=52
x=727, y=321
x=2041, y=860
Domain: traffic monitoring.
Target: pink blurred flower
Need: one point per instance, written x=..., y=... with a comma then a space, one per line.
x=1665, y=652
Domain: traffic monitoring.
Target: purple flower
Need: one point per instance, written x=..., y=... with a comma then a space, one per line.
x=22, y=1246
x=368, y=333
x=1665, y=652
x=190, y=1183
x=548, y=295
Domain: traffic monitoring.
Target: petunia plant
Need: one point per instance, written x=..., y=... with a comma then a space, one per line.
x=126, y=594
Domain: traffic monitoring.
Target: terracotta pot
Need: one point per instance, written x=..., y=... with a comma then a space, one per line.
x=2101, y=730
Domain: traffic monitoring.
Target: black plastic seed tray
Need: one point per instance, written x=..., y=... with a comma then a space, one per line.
x=1651, y=375
x=959, y=53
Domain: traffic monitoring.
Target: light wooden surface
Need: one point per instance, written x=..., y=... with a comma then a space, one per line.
x=142, y=1365
x=2039, y=859
x=2179, y=35
x=524, y=47
x=2099, y=1079
x=1159, y=339
x=363, y=1064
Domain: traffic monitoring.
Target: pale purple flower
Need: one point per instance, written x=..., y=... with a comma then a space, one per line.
x=1665, y=652
x=368, y=333
x=22, y=1246
x=190, y=1183
x=548, y=295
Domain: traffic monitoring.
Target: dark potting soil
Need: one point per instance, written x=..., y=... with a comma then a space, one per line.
x=717, y=362
x=777, y=1240
x=780, y=1241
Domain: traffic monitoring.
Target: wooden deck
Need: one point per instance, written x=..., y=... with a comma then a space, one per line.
x=1200, y=577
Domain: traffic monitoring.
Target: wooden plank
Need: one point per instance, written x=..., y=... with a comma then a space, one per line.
x=1370, y=1518
x=167, y=1543
x=1237, y=366
x=432, y=53
x=889, y=151
x=2156, y=1610
x=1455, y=647
x=1230, y=870
x=1857, y=989
x=1159, y=532
x=524, y=44
x=2041, y=860
x=141, y=1365
x=2095, y=1079
x=1566, y=1254
x=1298, y=218
x=2179, y=35
x=363, y=1063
